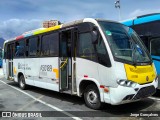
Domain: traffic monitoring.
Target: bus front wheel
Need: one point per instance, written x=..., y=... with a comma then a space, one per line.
x=92, y=97
x=22, y=83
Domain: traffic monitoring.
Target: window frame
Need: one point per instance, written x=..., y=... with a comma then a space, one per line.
x=41, y=38
x=5, y=51
x=109, y=64
x=24, y=49
x=86, y=30
x=153, y=39
x=78, y=46
x=27, y=48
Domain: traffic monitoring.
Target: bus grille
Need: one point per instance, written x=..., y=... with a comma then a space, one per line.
x=145, y=92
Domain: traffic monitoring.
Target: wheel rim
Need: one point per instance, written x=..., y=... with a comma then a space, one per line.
x=92, y=97
x=22, y=82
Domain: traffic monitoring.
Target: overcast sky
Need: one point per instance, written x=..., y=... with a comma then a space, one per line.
x=18, y=16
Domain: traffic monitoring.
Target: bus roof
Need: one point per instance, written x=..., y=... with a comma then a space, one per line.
x=43, y=30
x=142, y=19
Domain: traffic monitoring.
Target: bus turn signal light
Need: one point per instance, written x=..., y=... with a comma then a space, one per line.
x=106, y=89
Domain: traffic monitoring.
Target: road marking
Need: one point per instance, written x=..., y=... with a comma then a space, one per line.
x=47, y=104
x=22, y=108
x=153, y=98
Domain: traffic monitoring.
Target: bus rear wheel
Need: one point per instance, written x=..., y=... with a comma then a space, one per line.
x=92, y=97
x=22, y=83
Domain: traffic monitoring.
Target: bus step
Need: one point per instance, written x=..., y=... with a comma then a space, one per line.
x=67, y=92
x=10, y=78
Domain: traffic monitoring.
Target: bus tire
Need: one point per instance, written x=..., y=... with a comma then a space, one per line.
x=92, y=97
x=22, y=83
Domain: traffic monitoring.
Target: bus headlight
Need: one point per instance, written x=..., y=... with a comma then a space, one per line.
x=156, y=79
x=126, y=83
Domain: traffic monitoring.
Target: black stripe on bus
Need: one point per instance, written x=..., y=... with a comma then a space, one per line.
x=156, y=59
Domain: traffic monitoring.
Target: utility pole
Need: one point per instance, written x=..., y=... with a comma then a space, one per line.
x=117, y=5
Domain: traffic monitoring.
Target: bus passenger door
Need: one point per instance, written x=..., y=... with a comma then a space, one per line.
x=65, y=64
x=73, y=54
x=10, y=53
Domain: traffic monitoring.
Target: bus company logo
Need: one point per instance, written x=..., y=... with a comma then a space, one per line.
x=147, y=78
x=6, y=114
x=19, y=65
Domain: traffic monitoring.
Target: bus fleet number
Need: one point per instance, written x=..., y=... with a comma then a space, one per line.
x=46, y=68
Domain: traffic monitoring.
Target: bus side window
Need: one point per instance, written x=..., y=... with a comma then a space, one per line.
x=19, y=48
x=85, y=47
x=102, y=54
x=155, y=47
x=54, y=45
x=27, y=47
x=45, y=46
x=5, y=51
x=9, y=51
x=33, y=46
x=50, y=45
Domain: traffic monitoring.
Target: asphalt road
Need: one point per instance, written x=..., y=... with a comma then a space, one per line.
x=68, y=107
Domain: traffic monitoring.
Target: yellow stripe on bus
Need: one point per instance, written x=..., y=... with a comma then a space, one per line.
x=14, y=70
x=47, y=30
x=56, y=72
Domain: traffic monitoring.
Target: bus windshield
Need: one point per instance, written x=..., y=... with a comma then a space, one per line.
x=125, y=43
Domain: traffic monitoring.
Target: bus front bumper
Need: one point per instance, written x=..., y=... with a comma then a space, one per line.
x=121, y=94
x=158, y=82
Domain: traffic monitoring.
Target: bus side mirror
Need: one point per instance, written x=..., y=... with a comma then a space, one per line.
x=95, y=35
